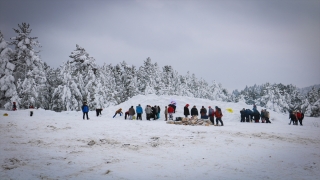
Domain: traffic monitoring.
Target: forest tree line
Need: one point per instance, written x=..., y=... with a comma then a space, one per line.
x=27, y=80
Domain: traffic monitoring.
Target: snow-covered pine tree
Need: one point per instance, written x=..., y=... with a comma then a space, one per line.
x=53, y=81
x=129, y=79
x=27, y=62
x=8, y=93
x=99, y=97
x=109, y=84
x=185, y=84
x=169, y=82
x=67, y=96
x=83, y=72
x=217, y=92
x=311, y=105
x=147, y=77
x=28, y=92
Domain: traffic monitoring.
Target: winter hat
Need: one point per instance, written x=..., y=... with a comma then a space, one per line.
x=209, y=106
x=216, y=107
x=187, y=105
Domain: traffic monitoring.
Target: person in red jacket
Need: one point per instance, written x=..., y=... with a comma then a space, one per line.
x=170, y=112
x=218, y=115
x=299, y=117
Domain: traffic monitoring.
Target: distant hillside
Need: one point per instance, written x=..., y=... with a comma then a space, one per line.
x=304, y=91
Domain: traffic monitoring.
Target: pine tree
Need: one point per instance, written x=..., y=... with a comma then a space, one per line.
x=53, y=81
x=148, y=77
x=67, y=96
x=8, y=93
x=311, y=105
x=108, y=83
x=28, y=65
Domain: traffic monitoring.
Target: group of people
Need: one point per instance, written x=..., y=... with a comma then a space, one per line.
x=204, y=114
x=14, y=108
x=153, y=112
x=296, y=116
x=248, y=115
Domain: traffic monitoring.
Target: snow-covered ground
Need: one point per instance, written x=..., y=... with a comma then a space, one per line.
x=52, y=145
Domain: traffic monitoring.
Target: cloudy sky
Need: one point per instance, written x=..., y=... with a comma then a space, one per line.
x=234, y=42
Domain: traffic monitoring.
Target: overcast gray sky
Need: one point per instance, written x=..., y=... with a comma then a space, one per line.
x=234, y=42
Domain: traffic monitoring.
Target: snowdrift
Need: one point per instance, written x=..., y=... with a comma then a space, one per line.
x=52, y=145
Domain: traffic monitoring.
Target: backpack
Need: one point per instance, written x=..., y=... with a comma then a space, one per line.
x=219, y=110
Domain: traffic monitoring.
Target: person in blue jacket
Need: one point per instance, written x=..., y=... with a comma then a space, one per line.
x=139, y=112
x=85, y=110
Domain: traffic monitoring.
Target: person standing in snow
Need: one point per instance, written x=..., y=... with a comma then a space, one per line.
x=166, y=113
x=249, y=115
x=132, y=112
x=98, y=111
x=243, y=115
x=139, y=111
x=203, y=113
x=154, y=112
x=158, y=115
x=256, y=116
x=211, y=115
x=119, y=111
x=218, y=115
x=186, y=111
x=170, y=111
x=292, y=117
x=267, y=116
x=31, y=110
x=299, y=117
x=148, y=111
x=194, y=111
x=85, y=110
x=254, y=107
x=262, y=115
x=14, y=106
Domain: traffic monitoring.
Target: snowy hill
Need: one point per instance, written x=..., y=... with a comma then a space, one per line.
x=182, y=101
x=52, y=145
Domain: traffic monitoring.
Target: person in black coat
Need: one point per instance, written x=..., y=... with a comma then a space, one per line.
x=293, y=118
x=186, y=111
x=154, y=112
x=243, y=115
x=256, y=116
x=194, y=111
x=248, y=115
x=203, y=113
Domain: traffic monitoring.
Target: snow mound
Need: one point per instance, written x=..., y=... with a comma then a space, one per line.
x=181, y=101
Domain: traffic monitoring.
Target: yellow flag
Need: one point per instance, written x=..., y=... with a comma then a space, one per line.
x=229, y=110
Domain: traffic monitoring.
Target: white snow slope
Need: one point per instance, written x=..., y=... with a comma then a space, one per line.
x=52, y=145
